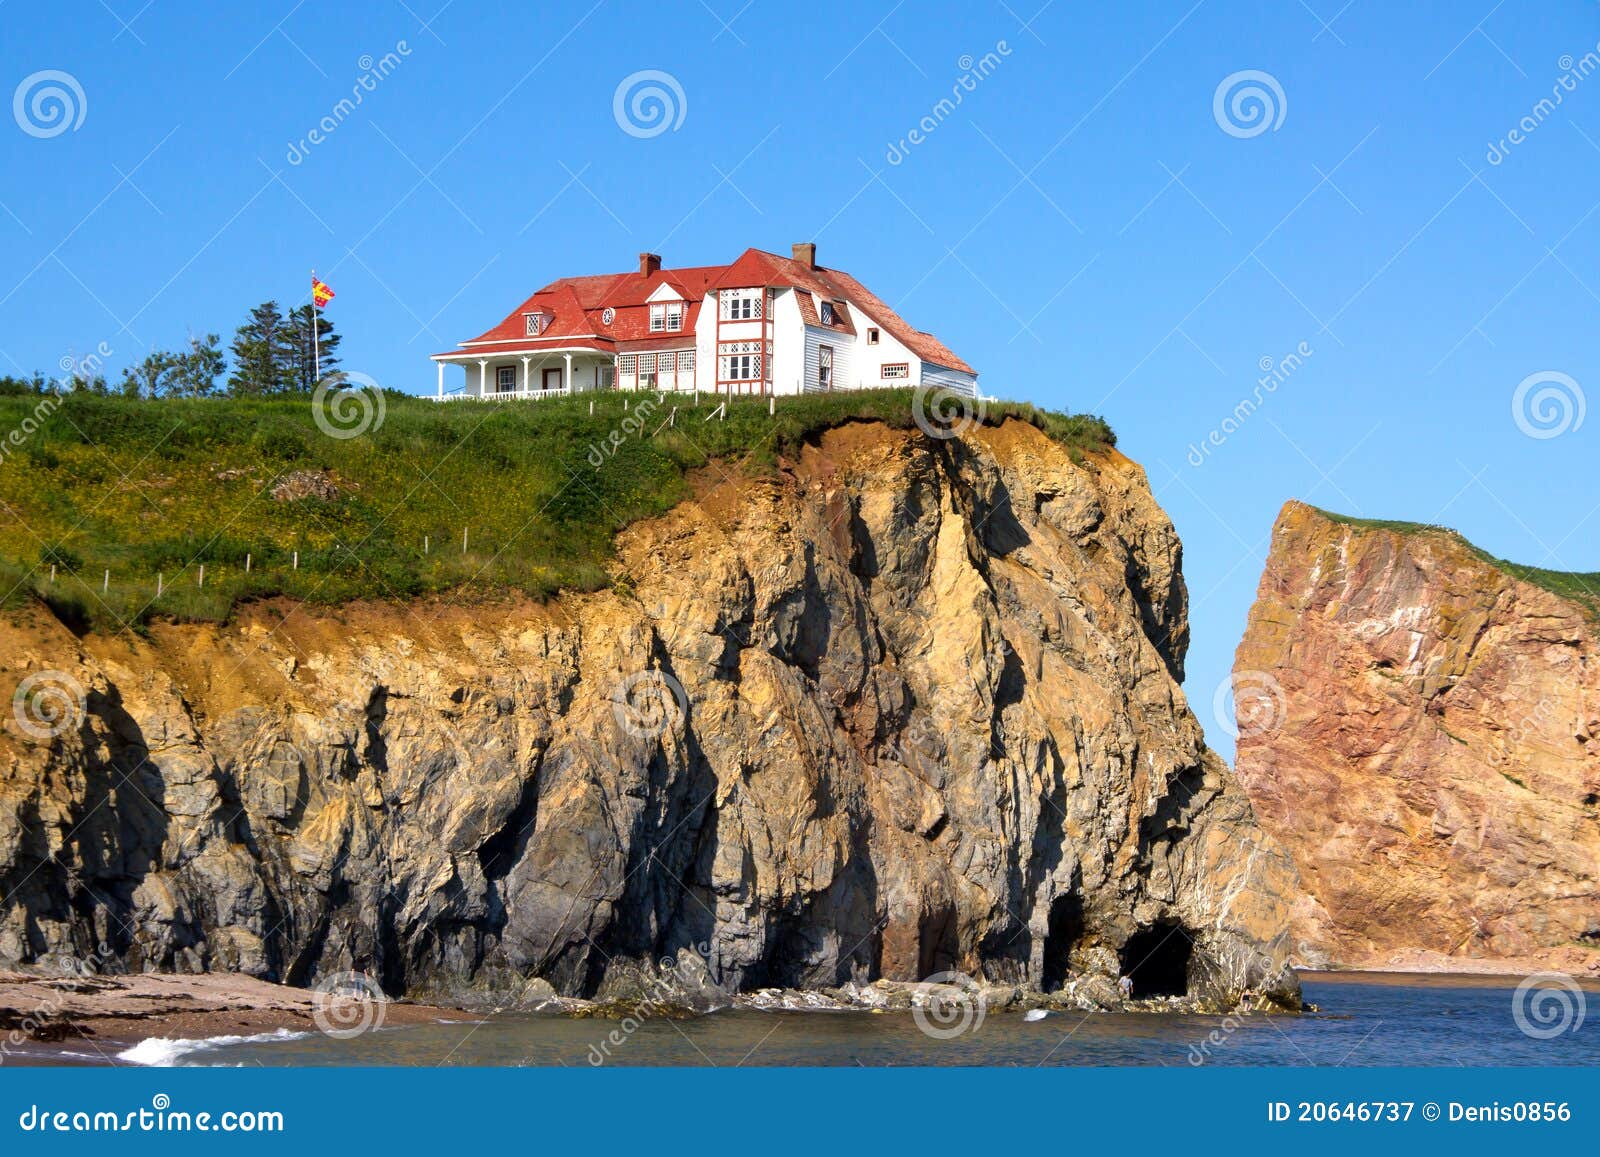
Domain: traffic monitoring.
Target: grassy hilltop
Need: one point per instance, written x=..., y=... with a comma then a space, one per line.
x=1582, y=588
x=140, y=488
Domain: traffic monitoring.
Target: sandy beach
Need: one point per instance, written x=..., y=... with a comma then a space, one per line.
x=103, y=1015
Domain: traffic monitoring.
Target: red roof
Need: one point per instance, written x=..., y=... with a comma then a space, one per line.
x=577, y=307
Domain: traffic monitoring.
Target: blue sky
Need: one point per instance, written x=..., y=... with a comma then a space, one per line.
x=1082, y=228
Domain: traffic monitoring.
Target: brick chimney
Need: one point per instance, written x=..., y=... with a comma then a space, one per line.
x=649, y=263
x=805, y=252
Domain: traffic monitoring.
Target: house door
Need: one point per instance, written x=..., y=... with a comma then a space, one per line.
x=552, y=379
x=824, y=367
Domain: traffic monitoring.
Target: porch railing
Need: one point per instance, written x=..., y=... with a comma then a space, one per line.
x=504, y=395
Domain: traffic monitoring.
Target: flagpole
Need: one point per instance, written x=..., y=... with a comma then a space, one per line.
x=316, y=334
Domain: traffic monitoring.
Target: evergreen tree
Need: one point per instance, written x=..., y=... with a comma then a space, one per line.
x=263, y=353
x=301, y=321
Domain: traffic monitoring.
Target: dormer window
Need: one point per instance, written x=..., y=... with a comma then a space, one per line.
x=740, y=304
x=534, y=323
x=666, y=317
x=827, y=313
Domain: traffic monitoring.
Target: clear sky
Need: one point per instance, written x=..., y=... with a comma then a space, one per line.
x=1088, y=226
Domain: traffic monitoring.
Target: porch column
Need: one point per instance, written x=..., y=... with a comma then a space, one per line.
x=527, y=381
x=566, y=378
x=483, y=379
x=441, y=377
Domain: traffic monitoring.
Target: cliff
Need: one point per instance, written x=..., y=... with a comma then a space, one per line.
x=1419, y=727
x=902, y=705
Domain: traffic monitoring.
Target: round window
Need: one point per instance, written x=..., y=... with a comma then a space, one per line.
x=607, y=316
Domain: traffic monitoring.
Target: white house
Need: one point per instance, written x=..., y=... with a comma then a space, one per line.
x=763, y=325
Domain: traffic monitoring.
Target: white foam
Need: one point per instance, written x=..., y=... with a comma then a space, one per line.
x=167, y=1051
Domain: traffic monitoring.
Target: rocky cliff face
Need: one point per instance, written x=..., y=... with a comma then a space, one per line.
x=908, y=706
x=1421, y=730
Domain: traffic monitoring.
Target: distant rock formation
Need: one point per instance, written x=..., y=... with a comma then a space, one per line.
x=1420, y=728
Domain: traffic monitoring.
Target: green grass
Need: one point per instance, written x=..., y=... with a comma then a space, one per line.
x=142, y=489
x=1582, y=588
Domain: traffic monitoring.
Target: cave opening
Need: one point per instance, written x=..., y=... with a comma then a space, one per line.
x=1062, y=933
x=1157, y=959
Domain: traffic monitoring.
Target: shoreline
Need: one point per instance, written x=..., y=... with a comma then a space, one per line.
x=97, y=1017
x=94, y=1019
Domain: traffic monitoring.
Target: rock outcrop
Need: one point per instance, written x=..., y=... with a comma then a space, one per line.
x=1421, y=730
x=907, y=705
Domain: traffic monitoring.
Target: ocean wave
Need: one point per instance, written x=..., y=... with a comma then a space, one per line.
x=160, y=1051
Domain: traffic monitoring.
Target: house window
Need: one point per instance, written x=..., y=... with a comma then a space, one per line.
x=827, y=313
x=666, y=318
x=872, y=336
x=607, y=315
x=739, y=361
x=647, y=371
x=686, y=361
x=896, y=370
x=626, y=363
x=534, y=324
x=741, y=304
x=505, y=378
x=825, y=367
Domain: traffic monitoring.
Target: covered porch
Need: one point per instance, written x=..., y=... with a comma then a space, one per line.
x=521, y=373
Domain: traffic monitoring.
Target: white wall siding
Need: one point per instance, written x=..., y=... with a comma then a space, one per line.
x=844, y=377
x=959, y=380
x=870, y=359
x=788, y=345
